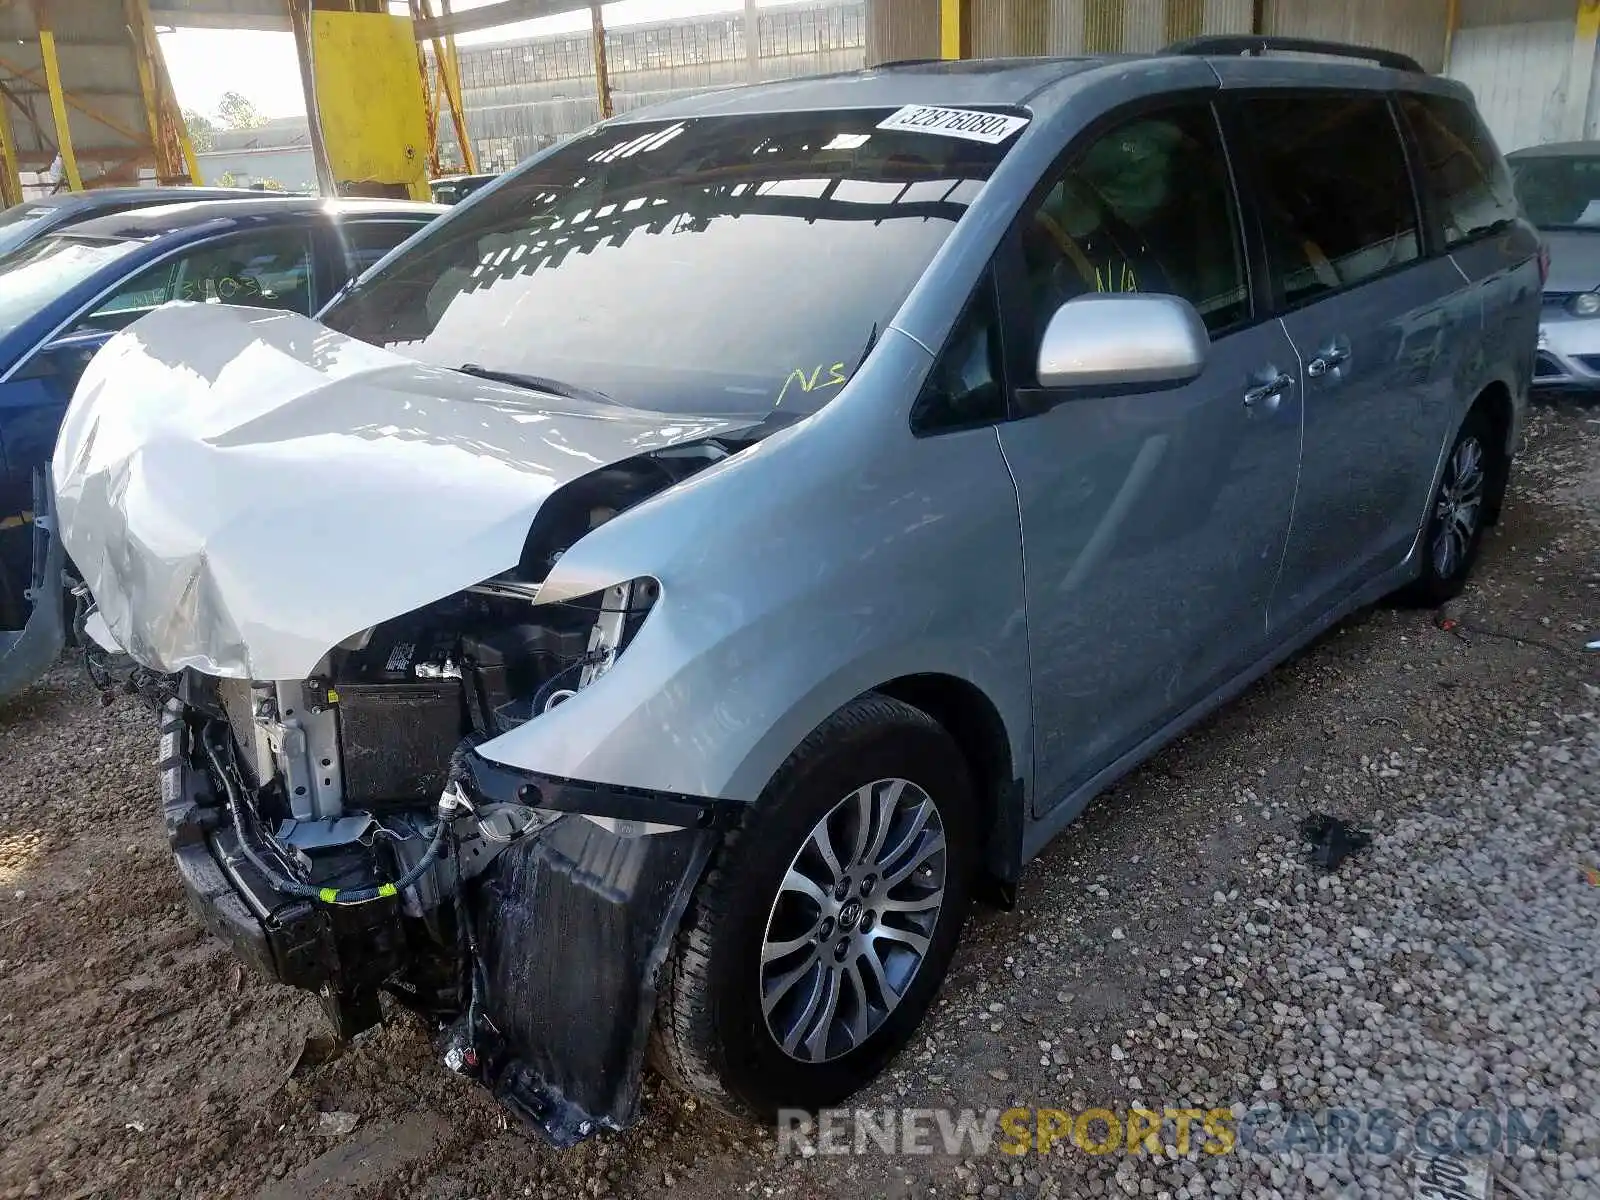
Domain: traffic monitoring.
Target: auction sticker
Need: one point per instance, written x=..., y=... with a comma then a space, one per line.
x=968, y=123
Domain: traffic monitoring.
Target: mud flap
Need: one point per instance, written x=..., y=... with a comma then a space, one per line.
x=26, y=654
x=573, y=927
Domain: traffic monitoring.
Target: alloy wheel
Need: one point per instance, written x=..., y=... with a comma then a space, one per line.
x=851, y=924
x=1459, y=507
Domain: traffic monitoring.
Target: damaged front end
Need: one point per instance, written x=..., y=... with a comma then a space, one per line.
x=339, y=815
x=344, y=835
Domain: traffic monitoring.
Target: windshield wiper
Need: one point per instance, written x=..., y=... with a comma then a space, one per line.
x=536, y=383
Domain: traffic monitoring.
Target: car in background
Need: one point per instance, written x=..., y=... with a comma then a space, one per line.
x=62, y=295
x=1559, y=187
x=22, y=223
x=452, y=189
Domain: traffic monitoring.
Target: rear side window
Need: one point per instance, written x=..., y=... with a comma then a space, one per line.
x=1335, y=195
x=1465, y=177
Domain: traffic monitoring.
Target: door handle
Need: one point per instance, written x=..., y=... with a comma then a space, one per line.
x=1330, y=358
x=1269, y=393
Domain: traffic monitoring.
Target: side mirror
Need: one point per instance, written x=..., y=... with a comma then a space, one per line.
x=1123, y=340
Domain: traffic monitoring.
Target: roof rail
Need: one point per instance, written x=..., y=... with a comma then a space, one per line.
x=1219, y=45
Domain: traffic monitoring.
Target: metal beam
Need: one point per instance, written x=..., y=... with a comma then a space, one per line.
x=491, y=15
x=602, y=76
x=955, y=29
x=71, y=99
x=58, y=104
x=752, y=41
x=444, y=57
x=137, y=14
x=300, y=20
x=10, y=181
x=1580, y=70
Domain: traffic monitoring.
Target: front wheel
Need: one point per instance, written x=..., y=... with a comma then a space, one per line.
x=816, y=942
x=1456, y=515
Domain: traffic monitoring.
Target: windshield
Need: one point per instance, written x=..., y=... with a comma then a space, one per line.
x=1559, y=192
x=42, y=272
x=20, y=222
x=723, y=265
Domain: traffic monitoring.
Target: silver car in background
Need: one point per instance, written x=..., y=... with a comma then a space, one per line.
x=646, y=606
x=1559, y=186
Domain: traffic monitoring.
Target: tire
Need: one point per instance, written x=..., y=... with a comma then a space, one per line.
x=713, y=1032
x=1457, y=514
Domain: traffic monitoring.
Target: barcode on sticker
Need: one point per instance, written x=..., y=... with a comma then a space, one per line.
x=968, y=123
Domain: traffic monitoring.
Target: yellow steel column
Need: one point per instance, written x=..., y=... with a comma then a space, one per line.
x=58, y=104
x=1452, y=14
x=602, y=76
x=955, y=28
x=147, y=84
x=10, y=181
x=1580, y=69
x=444, y=53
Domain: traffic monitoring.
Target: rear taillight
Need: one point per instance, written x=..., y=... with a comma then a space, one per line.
x=1544, y=264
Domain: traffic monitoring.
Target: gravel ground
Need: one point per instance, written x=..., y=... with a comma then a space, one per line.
x=1174, y=949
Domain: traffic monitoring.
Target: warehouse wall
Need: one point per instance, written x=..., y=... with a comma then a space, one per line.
x=1517, y=57
x=899, y=29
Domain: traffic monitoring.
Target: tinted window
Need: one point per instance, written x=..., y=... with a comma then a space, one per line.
x=21, y=222
x=717, y=265
x=963, y=388
x=365, y=242
x=1559, y=191
x=44, y=271
x=1466, y=179
x=262, y=270
x=1335, y=195
x=1148, y=207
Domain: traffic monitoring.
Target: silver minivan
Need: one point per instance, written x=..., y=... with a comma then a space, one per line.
x=645, y=607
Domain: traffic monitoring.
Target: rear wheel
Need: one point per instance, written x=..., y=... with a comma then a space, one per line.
x=816, y=943
x=1457, y=514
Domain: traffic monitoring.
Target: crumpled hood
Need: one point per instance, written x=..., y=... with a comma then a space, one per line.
x=243, y=489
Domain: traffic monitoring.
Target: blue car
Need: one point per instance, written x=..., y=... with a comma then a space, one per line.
x=32, y=219
x=64, y=294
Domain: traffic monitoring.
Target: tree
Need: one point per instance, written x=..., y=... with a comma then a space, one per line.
x=201, y=129
x=226, y=179
x=236, y=112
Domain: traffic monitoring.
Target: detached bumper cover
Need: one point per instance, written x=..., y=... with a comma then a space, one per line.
x=571, y=924
x=574, y=927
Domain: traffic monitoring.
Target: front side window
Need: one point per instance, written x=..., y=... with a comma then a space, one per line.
x=1147, y=207
x=42, y=272
x=963, y=388
x=1465, y=176
x=1334, y=191
x=259, y=270
x=721, y=265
